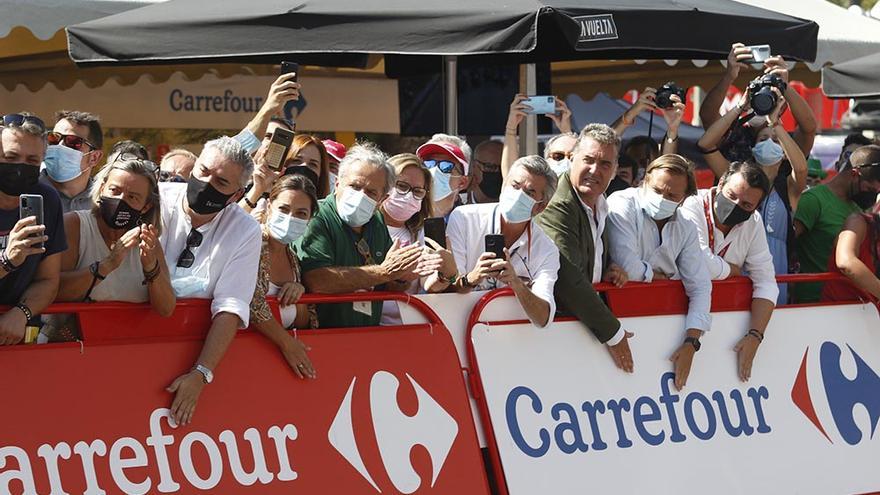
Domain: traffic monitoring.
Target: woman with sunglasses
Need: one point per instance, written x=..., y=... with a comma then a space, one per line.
x=113, y=249
x=404, y=210
x=292, y=203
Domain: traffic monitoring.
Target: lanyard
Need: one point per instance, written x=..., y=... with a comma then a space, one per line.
x=362, y=245
x=710, y=225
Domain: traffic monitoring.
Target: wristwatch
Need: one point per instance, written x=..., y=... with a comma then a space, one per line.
x=207, y=375
x=694, y=341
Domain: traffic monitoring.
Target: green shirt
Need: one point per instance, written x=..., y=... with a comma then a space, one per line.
x=822, y=213
x=328, y=241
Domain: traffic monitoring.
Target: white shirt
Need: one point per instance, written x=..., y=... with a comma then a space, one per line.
x=390, y=309
x=226, y=262
x=636, y=246
x=745, y=246
x=537, y=260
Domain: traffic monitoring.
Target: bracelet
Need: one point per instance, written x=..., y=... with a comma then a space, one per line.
x=7, y=264
x=670, y=141
x=151, y=274
x=96, y=275
x=756, y=334
x=447, y=280
x=248, y=202
x=26, y=310
x=466, y=283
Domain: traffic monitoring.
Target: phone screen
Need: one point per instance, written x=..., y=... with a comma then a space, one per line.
x=495, y=244
x=435, y=229
x=279, y=145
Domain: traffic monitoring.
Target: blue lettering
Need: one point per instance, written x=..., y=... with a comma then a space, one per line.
x=640, y=418
x=572, y=426
x=692, y=422
x=616, y=407
x=756, y=396
x=668, y=399
x=513, y=422
x=744, y=426
x=175, y=97
x=592, y=409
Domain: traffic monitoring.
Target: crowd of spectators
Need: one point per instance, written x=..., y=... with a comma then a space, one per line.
x=227, y=227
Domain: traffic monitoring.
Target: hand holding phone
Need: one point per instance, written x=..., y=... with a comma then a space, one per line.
x=290, y=67
x=31, y=205
x=760, y=53
x=495, y=245
x=279, y=147
x=435, y=229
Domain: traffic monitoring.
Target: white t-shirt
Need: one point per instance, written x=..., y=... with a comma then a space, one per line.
x=390, y=309
x=226, y=262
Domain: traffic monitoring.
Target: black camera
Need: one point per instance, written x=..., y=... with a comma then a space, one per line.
x=761, y=96
x=664, y=95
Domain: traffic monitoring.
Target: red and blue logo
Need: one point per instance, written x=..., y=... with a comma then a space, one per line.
x=842, y=394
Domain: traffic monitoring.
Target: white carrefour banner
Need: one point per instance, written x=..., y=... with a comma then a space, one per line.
x=567, y=421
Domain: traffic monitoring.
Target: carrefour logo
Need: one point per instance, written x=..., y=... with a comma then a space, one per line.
x=645, y=418
x=842, y=394
x=395, y=432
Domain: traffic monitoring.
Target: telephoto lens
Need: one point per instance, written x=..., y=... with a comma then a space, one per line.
x=761, y=95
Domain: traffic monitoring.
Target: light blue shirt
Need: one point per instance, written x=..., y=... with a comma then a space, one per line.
x=635, y=245
x=776, y=218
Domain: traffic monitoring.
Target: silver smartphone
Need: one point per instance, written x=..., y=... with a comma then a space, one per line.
x=760, y=53
x=31, y=205
x=540, y=105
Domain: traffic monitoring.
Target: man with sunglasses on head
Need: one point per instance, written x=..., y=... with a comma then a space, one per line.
x=448, y=159
x=213, y=252
x=531, y=259
x=30, y=254
x=177, y=165
x=75, y=148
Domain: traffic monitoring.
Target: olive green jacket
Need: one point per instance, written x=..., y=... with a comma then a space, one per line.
x=566, y=222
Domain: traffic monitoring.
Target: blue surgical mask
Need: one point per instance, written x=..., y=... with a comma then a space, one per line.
x=63, y=163
x=189, y=286
x=656, y=206
x=515, y=205
x=559, y=166
x=248, y=140
x=286, y=228
x=332, y=179
x=441, y=189
x=768, y=152
x=355, y=208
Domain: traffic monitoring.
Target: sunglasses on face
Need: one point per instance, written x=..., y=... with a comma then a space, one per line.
x=558, y=156
x=187, y=258
x=445, y=166
x=404, y=188
x=18, y=120
x=166, y=176
x=69, y=140
x=488, y=166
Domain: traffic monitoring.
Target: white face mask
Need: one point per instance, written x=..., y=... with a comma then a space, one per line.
x=355, y=207
x=63, y=163
x=286, y=228
x=332, y=178
x=656, y=206
x=189, y=286
x=559, y=166
x=515, y=205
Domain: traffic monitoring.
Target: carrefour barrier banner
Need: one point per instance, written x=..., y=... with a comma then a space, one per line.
x=567, y=421
x=388, y=413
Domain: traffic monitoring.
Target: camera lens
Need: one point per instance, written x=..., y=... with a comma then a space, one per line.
x=764, y=101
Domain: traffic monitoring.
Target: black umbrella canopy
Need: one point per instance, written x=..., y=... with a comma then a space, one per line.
x=344, y=32
x=853, y=79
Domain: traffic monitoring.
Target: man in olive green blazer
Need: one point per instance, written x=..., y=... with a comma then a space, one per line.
x=570, y=219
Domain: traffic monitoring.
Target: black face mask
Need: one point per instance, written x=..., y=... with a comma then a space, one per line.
x=491, y=184
x=865, y=199
x=729, y=213
x=117, y=214
x=18, y=178
x=203, y=198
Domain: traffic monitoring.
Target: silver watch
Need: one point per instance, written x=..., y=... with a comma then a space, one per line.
x=207, y=374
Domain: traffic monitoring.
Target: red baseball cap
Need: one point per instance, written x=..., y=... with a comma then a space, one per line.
x=336, y=150
x=452, y=150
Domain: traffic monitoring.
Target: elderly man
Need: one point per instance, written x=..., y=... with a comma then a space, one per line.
x=531, y=259
x=75, y=148
x=651, y=241
x=448, y=158
x=30, y=254
x=346, y=247
x=213, y=250
x=177, y=166
x=575, y=221
x=734, y=242
x=486, y=186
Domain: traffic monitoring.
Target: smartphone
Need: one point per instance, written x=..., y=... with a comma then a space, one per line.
x=495, y=244
x=279, y=146
x=760, y=53
x=31, y=205
x=435, y=229
x=541, y=104
x=288, y=67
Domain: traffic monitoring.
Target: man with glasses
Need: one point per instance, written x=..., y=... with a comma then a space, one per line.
x=447, y=158
x=75, y=148
x=213, y=251
x=487, y=180
x=532, y=260
x=177, y=166
x=575, y=220
x=347, y=248
x=30, y=253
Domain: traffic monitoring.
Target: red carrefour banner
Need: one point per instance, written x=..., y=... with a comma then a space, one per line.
x=388, y=413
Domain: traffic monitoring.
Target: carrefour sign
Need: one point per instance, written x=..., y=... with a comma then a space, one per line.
x=563, y=416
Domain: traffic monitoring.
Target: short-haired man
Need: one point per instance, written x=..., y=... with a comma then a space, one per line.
x=30, y=254
x=532, y=260
x=734, y=242
x=213, y=251
x=75, y=148
x=346, y=247
x=177, y=165
x=448, y=159
x=486, y=167
x=128, y=147
x=575, y=221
